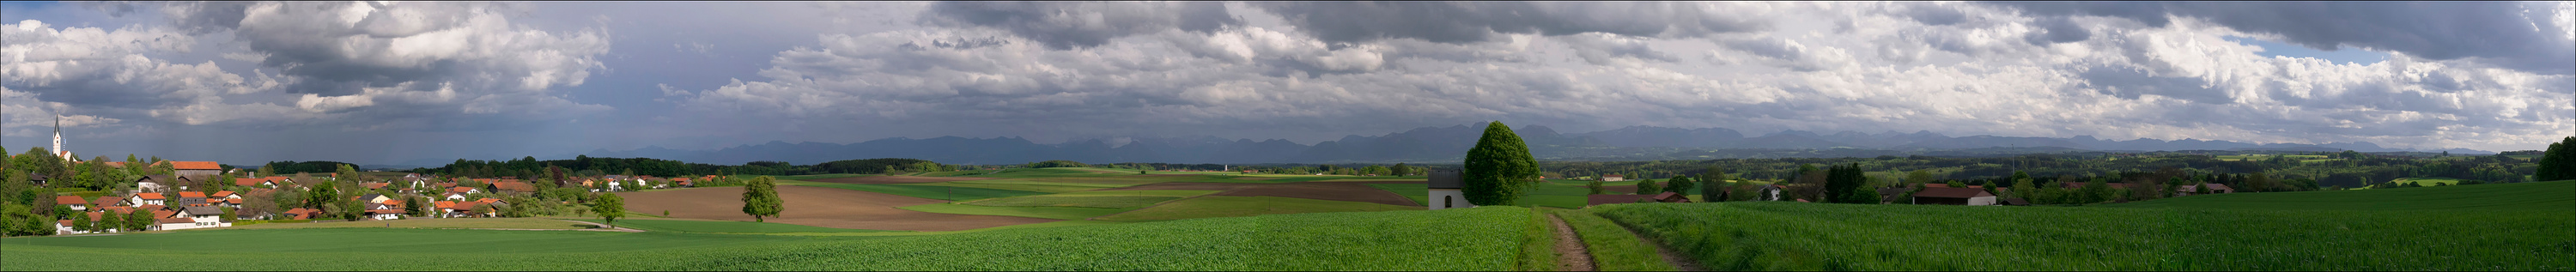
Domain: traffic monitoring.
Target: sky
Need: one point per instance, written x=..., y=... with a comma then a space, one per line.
x=398, y=82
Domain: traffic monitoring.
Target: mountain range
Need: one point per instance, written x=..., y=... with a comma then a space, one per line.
x=1431, y=144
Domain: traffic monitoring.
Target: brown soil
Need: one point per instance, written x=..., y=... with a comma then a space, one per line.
x=1619, y=190
x=1186, y=186
x=1571, y=255
x=892, y=179
x=820, y=207
x=1337, y=191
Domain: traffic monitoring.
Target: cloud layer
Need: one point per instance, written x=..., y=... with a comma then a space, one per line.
x=2484, y=75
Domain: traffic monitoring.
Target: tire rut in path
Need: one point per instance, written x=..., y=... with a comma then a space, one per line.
x=1571, y=254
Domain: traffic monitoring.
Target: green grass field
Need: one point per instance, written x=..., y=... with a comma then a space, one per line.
x=925, y=191
x=1231, y=206
x=2407, y=229
x=1408, y=240
x=2559, y=195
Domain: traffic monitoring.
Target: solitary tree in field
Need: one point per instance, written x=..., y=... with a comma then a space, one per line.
x=1679, y=184
x=1499, y=168
x=610, y=207
x=760, y=199
x=1648, y=187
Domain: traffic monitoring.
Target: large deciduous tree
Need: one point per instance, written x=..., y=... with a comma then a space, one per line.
x=610, y=207
x=2558, y=162
x=1499, y=169
x=760, y=199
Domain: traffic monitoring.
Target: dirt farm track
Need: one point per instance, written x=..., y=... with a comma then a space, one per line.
x=814, y=206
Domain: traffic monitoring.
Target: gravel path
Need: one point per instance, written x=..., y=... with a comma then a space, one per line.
x=1571, y=255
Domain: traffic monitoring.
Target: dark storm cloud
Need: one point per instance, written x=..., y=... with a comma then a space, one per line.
x=1068, y=25
x=2059, y=30
x=2129, y=83
x=2508, y=34
x=1462, y=22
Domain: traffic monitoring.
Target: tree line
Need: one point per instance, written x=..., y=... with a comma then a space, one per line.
x=584, y=166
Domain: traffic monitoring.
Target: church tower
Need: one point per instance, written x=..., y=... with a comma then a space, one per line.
x=58, y=139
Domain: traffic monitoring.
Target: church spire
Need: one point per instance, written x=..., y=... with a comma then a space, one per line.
x=58, y=138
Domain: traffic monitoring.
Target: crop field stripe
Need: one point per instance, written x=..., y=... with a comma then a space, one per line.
x=1059, y=213
x=1815, y=236
x=927, y=191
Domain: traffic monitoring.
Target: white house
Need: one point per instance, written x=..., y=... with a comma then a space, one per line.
x=1445, y=194
x=203, y=216
x=1613, y=178
x=140, y=199
x=454, y=196
x=175, y=224
x=384, y=214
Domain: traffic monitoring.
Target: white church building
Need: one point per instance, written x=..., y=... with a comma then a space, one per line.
x=1445, y=193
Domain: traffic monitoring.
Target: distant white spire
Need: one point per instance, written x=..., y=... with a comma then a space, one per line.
x=58, y=138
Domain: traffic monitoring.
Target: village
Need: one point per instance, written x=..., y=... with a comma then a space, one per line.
x=194, y=197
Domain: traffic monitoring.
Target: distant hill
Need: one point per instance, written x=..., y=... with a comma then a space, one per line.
x=1447, y=144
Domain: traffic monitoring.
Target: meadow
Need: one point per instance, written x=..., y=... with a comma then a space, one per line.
x=2543, y=196
x=2340, y=230
x=1230, y=206
x=1405, y=240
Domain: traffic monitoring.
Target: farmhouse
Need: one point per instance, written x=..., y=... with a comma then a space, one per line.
x=1953, y=196
x=106, y=201
x=174, y=224
x=1613, y=177
x=385, y=214
x=204, y=217
x=1445, y=190
x=155, y=183
x=140, y=199
x=76, y=202
x=197, y=169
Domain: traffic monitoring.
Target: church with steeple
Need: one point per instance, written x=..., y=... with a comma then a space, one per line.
x=58, y=140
